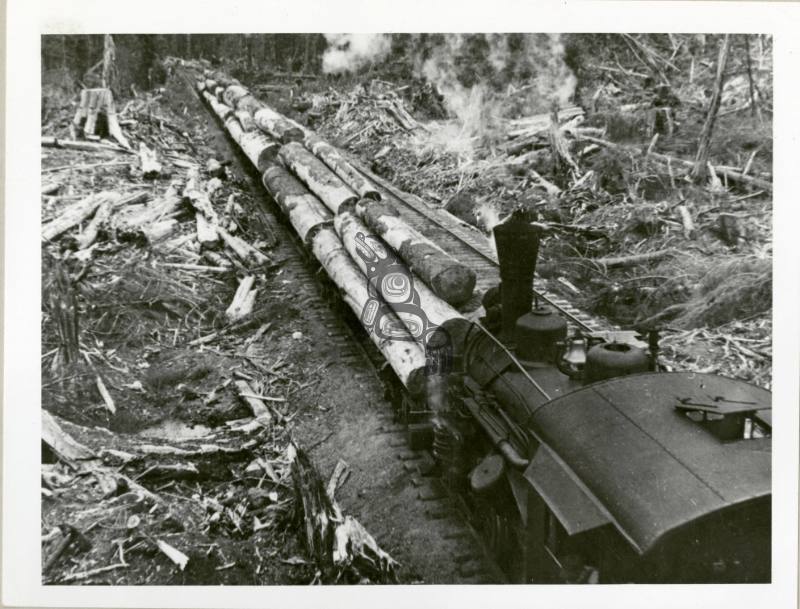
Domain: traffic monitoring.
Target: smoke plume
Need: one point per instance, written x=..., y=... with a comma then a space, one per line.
x=485, y=78
x=351, y=52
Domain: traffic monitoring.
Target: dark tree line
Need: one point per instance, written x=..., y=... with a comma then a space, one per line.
x=75, y=58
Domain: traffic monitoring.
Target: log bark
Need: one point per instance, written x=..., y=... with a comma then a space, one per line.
x=63, y=445
x=234, y=128
x=686, y=220
x=233, y=94
x=198, y=197
x=328, y=187
x=278, y=126
x=249, y=103
x=156, y=232
x=342, y=168
x=135, y=217
x=220, y=109
x=246, y=120
x=260, y=149
x=449, y=279
x=77, y=213
x=304, y=210
x=353, y=232
x=403, y=354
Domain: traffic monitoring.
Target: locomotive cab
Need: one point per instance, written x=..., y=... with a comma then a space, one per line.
x=584, y=463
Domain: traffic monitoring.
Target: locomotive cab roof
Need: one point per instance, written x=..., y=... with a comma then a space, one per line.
x=624, y=451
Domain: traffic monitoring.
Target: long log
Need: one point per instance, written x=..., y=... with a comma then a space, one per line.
x=77, y=213
x=355, y=235
x=634, y=258
x=302, y=208
x=249, y=103
x=278, y=126
x=403, y=354
x=233, y=94
x=234, y=128
x=328, y=187
x=342, y=168
x=220, y=109
x=246, y=120
x=260, y=149
x=449, y=279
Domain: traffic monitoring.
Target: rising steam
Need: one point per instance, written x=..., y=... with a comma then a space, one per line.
x=534, y=62
x=351, y=52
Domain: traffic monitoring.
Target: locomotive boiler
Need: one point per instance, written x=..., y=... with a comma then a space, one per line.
x=581, y=461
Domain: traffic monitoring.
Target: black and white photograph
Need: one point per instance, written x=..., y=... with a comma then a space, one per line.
x=477, y=308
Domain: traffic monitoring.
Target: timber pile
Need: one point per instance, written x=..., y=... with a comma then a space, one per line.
x=313, y=172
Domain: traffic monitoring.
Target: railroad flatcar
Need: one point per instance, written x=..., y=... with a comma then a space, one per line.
x=581, y=461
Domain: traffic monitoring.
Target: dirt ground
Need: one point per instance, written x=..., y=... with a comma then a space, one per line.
x=232, y=511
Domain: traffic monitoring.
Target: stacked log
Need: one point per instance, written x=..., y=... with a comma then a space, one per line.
x=342, y=168
x=317, y=176
x=354, y=233
x=260, y=149
x=302, y=208
x=278, y=126
x=404, y=355
x=448, y=278
x=310, y=203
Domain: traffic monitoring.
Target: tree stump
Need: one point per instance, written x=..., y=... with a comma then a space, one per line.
x=97, y=104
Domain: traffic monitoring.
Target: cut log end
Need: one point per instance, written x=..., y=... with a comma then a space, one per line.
x=455, y=284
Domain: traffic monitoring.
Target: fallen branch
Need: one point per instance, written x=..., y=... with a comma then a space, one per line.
x=77, y=213
x=257, y=407
x=243, y=300
x=634, y=259
x=52, y=142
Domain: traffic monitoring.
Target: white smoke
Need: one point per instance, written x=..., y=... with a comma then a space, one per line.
x=351, y=52
x=536, y=62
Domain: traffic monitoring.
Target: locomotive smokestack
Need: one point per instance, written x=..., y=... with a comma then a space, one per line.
x=517, y=245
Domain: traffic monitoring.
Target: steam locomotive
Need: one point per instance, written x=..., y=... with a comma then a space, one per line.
x=581, y=461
